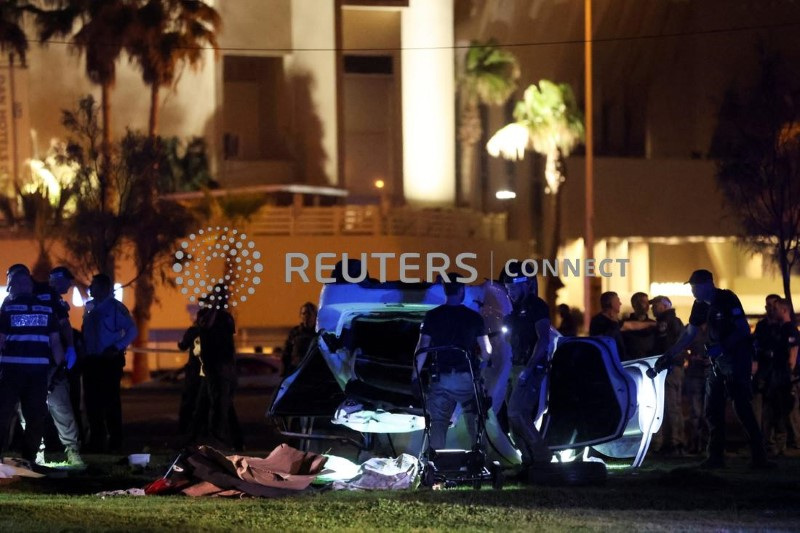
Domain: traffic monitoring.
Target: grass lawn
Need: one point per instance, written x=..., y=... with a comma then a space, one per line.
x=664, y=496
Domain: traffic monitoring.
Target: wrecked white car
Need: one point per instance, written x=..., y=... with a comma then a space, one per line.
x=358, y=375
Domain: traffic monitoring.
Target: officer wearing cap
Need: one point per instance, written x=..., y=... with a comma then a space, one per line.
x=28, y=338
x=731, y=351
x=667, y=332
x=65, y=388
x=451, y=324
x=529, y=331
x=59, y=398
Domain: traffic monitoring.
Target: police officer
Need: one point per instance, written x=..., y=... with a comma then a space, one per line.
x=28, y=336
x=529, y=331
x=108, y=329
x=778, y=390
x=451, y=324
x=668, y=330
x=731, y=352
x=59, y=400
x=766, y=337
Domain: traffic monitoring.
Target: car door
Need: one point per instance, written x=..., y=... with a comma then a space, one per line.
x=590, y=397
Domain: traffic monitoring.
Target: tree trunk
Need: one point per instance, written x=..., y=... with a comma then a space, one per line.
x=152, y=125
x=469, y=133
x=786, y=275
x=554, y=201
x=145, y=286
x=144, y=292
x=108, y=188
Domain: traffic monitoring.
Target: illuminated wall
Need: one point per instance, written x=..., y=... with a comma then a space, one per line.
x=428, y=107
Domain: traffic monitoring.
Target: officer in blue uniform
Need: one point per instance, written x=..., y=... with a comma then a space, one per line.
x=731, y=351
x=29, y=334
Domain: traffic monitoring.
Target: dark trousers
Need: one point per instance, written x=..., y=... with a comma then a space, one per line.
x=26, y=384
x=736, y=386
x=191, y=393
x=101, y=383
x=215, y=414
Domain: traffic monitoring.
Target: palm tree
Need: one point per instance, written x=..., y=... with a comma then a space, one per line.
x=549, y=121
x=167, y=34
x=105, y=28
x=171, y=33
x=488, y=77
x=12, y=37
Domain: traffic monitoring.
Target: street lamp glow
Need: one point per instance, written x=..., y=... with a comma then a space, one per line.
x=505, y=195
x=509, y=142
x=380, y=184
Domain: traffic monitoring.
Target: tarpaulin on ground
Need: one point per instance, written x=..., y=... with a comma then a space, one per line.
x=208, y=472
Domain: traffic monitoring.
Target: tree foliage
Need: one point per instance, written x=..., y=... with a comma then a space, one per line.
x=757, y=146
x=12, y=36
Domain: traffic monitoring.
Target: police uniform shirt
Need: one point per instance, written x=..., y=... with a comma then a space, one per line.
x=721, y=316
x=767, y=336
x=48, y=296
x=27, y=325
x=788, y=339
x=521, y=324
x=454, y=325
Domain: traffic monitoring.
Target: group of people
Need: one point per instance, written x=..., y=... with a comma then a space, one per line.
x=47, y=368
x=714, y=357
x=207, y=412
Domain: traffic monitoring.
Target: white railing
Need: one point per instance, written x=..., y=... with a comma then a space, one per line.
x=370, y=220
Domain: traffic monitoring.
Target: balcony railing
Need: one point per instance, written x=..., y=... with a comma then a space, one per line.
x=371, y=220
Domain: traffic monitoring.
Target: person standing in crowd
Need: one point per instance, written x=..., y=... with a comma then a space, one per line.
x=606, y=323
x=731, y=352
x=695, y=388
x=215, y=409
x=778, y=393
x=59, y=398
x=451, y=324
x=639, y=342
x=766, y=337
x=299, y=339
x=193, y=372
x=529, y=325
x=29, y=337
x=108, y=330
x=64, y=379
x=567, y=325
x=668, y=330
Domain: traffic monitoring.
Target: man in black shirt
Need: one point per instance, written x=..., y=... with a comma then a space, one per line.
x=451, y=324
x=606, y=323
x=639, y=343
x=731, y=352
x=766, y=337
x=778, y=390
x=529, y=328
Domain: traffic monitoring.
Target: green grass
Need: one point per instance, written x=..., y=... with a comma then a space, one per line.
x=667, y=496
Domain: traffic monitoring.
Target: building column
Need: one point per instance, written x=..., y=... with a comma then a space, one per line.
x=428, y=81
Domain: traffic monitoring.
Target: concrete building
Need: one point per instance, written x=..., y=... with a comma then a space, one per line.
x=346, y=95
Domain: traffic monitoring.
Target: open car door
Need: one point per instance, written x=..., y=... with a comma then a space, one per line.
x=590, y=396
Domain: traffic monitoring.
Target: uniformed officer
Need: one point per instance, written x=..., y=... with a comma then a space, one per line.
x=778, y=389
x=28, y=336
x=731, y=352
x=529, y=331
x=451, y=324
x=59, y=400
